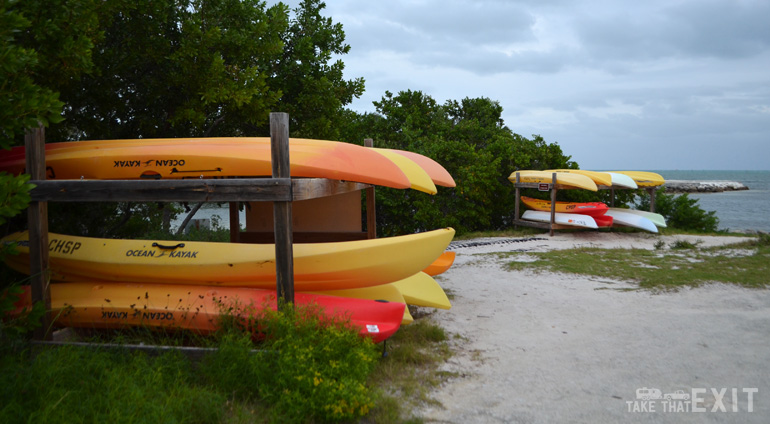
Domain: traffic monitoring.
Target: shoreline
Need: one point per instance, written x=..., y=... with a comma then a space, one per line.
x=692, y=186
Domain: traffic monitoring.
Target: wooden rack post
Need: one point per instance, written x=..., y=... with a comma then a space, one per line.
x=553, y=202
x=37, y=216
x=284, y=251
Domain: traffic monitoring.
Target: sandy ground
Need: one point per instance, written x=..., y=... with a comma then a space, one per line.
x=548, y=348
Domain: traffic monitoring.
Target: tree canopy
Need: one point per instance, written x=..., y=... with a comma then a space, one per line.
x=470, y=140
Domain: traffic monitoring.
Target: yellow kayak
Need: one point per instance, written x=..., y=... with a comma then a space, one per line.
x=644, y=179
x=423, y=290
x=317, y=266
x=568, y=179
x=600, y=178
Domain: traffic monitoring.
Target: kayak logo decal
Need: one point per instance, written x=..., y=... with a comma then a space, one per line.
x=121, y=315
x=143, y=253
x=145, y=164
x=63, y=246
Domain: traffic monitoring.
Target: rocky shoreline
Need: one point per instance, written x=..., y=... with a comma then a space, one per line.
x=686, y=186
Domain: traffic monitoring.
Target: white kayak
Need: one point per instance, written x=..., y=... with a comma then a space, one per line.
x=656, y=218
x=622, y=181
x=621, y=217
x=571, y=219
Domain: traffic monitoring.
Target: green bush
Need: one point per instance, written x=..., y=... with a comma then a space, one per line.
x=681, y=212
x=309, y=368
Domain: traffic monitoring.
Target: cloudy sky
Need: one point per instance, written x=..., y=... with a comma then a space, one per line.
x=646, y=85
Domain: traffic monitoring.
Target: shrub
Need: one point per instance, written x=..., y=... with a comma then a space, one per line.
x=681, y=212
x=309, y=368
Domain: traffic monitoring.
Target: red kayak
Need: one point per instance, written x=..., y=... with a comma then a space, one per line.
x=198, y=308
x=603, y=221
x=593, y=209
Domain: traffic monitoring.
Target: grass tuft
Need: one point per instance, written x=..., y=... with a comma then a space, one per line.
x=685, y=265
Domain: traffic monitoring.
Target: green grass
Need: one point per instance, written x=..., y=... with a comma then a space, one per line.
x=406, y=376
x=682, y=264
x=307, y=369
x=303, y=372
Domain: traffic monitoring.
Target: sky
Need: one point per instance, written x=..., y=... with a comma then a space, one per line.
x=623, y=85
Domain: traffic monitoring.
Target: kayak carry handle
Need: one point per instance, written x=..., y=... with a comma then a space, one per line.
x=167, y=247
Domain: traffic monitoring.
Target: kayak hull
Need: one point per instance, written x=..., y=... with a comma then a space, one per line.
x=546, y=177
x=199, y=308
x=584, y=208
x=569, y=219
x=620, y=217
x=209, y=158
x=317, y=266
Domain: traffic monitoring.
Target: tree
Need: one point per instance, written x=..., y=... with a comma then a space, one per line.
x=470, y=139
x=313, y=91
x=178, y=68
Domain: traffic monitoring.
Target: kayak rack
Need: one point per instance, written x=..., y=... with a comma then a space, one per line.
x=553, y=187
x=280, y=189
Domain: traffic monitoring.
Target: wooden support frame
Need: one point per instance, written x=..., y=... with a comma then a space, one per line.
x=37, y=216
x=553, y=187
x=550, y=226
x=284, y=251
x=280, y=189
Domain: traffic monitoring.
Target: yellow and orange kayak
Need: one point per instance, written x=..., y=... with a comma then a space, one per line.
x=317, y=266
x=546, y=177
x=584, y=208
x=209, y=158
x=198, y=308
x=437, y=173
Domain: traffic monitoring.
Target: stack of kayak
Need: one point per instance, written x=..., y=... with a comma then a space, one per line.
x=107, y=283
x=590, y=215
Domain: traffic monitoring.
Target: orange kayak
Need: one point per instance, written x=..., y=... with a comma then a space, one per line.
x=198, y=308
x=441, y=265
x=209, y=158
x=585, y=208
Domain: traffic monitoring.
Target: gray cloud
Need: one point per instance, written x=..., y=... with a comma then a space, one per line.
x=645, y=85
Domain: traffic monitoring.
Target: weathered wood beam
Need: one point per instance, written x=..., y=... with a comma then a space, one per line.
x=282, y=223
x=198, y=190
x=311, y=188
x=37, y=216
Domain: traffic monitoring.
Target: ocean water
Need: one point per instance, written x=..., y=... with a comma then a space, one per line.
x=745, y=210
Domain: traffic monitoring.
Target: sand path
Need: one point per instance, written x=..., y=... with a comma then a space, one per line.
x=547, y=348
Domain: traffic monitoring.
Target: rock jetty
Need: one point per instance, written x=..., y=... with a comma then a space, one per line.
x=686, y=186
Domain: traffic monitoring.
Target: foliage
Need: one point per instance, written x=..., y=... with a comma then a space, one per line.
x=16, y=325
x=681, y=212
x=307, y=369
x=14, y=195
x=471, y=141
x=312, y=87
x=330, y=383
